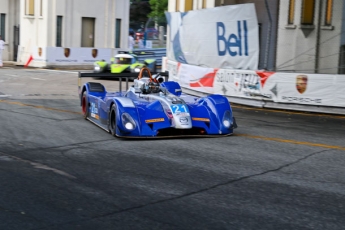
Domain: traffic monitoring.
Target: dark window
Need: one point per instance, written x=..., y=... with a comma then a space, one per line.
x=88, y=32
x=118, y=33
x=2, y=26
x=291, y=12
x=328, y=15
x=41, y=8
x=218, y=3
x=59, y=31
x=188, y=5
x=30, y=7
x=308, y=8
x=341, y=69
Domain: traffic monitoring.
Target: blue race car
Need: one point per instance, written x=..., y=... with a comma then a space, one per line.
x=154, y=108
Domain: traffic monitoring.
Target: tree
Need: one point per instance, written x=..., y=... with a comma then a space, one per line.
x=138, y=15
x=158, y=8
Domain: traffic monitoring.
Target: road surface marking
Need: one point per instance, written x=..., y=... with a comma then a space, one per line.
x=292, y=141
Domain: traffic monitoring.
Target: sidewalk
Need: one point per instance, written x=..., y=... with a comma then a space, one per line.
x=8, y=63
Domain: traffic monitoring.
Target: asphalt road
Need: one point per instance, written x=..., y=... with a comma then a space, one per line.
x=281, y=169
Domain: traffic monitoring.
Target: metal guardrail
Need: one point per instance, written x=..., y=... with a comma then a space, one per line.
x=158, y=54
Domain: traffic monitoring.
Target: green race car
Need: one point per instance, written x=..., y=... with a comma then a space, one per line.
x=126, y=62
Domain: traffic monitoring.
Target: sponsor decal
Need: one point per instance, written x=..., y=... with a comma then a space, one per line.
x=39, y=51
x=205, y=81
x=183, y=120
x=264, y=76
x=94, y=108
x=200, y=119
x=154, y=120
x=302, y=99
x=301, y=83
x=94, y=53
x=95, y=116
x=233, y=41
x=67, y=52
x=63, y=60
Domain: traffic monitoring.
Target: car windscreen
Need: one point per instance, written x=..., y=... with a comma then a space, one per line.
x=122, y=60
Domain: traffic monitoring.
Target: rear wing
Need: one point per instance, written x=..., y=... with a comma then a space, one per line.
x=114, y=77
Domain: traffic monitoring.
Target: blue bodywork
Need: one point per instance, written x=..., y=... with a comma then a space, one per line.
x=131, y=114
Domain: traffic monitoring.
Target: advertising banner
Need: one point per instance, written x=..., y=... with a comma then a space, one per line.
x=74, y=56
x=292, y=88
x=221, y=37
x=307, y=89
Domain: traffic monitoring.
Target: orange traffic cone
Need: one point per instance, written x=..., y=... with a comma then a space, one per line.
x=28, y=62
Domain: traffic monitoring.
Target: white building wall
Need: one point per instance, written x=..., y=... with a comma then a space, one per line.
x=297, y=52
x=40, y=31
x=4, y=9
x=330, y=39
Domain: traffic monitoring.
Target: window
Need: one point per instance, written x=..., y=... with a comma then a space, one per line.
x=291, y=12
x=41, y=8
x=30, y=7
x=203, y=4
x=59, y=31
x=341, y=69
x=328, y=16
x=177, y=5
x=308, y=7
x=218, y=3
x=2, y=26
x=188, y=5
x=87, y=32
x=118, y=33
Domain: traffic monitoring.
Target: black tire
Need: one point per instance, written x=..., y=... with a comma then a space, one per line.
x=85, y=105
x=112, y=120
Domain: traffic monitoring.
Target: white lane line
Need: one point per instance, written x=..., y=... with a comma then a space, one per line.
x=36, y=78
x=11, y=75
x=5, y=95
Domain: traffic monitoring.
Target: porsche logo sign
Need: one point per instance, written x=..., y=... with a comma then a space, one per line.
x=301, y=83
x=94, y=53
x=67, y=52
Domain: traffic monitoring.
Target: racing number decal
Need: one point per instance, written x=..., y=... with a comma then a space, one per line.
x=94, y=110
x=179, y=108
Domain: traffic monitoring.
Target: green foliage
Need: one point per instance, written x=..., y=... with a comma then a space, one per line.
x=158, y=8
x=139, y=11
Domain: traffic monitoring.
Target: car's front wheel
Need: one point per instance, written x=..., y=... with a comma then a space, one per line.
x=112, y=120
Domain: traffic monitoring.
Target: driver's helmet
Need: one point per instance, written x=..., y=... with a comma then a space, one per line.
x=154, y=87
x=150, y=87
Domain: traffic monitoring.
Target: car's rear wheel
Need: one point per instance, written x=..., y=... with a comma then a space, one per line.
x=85, y=105
x=112, y=120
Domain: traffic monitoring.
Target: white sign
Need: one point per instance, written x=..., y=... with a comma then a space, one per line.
x=149, y=44
x=292, y=88
x=73, y=56
x=221, y=37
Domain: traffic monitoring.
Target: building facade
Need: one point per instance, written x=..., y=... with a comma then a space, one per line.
x=311, y=36
x=36, y=26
